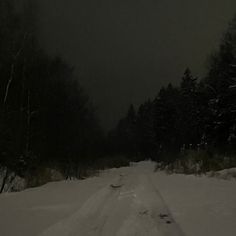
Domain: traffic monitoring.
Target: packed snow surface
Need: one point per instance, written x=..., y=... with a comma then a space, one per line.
x=126, y=201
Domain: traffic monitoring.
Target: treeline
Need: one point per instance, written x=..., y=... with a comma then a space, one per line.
x=46, y=119
x=194, y=120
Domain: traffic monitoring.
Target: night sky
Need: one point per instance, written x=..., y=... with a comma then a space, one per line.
x=125, y=50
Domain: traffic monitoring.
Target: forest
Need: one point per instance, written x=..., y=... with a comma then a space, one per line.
x=192, y=126
x=47, y=120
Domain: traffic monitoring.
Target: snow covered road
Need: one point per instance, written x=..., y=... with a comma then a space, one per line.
x=124, y=202
x=130, y=205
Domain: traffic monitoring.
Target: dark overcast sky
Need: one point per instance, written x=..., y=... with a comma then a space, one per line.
x=125, y=50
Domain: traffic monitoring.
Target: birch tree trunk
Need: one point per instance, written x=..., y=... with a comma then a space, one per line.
x=12, y=72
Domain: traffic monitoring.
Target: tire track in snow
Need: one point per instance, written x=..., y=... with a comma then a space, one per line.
x=167, y=211
x=88, y=211
x=129, y=206
x=88, y=219
x=150, y=215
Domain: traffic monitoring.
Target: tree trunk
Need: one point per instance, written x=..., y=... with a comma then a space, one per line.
x=4, y=180
x=15, y=57
x=27, y=149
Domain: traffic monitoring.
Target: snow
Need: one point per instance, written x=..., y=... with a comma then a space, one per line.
x=126, y=201
x=201, y=205
x=13, y=182
x=223, y=174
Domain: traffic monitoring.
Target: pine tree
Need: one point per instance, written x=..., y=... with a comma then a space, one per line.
x=221, y=81
x=189, y=110
x=167, y=114
x=146, y=138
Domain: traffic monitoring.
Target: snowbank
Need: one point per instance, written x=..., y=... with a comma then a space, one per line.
x=226, y=174
x=14, y=183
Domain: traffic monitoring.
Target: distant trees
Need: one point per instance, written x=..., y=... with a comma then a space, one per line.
x=45, y=116
x=122, y=141
x=197, y=115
